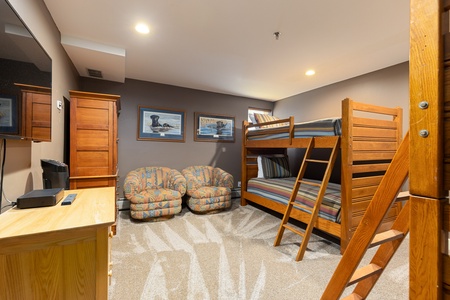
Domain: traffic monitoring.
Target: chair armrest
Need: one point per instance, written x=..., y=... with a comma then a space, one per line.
x=132, y=185
x=223, y=178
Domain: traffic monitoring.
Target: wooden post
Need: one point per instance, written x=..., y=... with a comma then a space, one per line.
x=426, y=148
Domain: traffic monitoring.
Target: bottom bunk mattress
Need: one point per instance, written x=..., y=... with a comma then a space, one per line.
x=280, y=189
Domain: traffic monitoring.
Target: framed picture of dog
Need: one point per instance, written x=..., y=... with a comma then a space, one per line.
x=214, y=128
x=161, y=124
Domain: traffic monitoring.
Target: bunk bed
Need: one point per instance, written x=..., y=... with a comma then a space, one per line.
x=369, y=137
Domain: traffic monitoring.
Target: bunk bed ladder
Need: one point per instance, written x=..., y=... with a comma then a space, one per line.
x=322, y=188
x=346, y=273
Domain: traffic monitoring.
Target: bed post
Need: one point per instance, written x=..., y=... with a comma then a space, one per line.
x=429, y=79
x=244, y=163
x=346, y=172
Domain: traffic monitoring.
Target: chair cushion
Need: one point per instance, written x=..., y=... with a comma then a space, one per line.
x=155, y=205
x=155, y=213
x=204, y=205
x=155, y=195
x=210, y=192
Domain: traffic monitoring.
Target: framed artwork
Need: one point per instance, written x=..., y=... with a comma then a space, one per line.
x=9, y=115
x=160, y=124
x=214, y=128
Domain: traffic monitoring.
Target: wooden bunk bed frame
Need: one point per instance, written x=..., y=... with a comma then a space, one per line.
x=429, y=174
x=370, y=137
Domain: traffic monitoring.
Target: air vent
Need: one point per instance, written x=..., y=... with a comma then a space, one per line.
x=95, y=73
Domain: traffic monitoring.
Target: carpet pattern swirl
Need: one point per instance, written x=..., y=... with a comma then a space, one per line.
x=229, y=255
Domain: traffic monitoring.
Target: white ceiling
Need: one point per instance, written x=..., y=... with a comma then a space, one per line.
x=229, y=46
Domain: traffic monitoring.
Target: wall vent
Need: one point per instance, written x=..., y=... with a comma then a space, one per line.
x=95, y=73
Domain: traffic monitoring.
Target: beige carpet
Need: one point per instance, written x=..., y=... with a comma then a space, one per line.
x=229, y=255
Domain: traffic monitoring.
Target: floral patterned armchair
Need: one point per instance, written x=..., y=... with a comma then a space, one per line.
x=208, y=189
x=155, y=193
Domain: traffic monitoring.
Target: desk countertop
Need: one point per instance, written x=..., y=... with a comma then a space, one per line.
x=92, y=207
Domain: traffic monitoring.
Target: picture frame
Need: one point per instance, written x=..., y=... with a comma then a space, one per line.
x=9, y=114
x=161, y=124
x=214, y=128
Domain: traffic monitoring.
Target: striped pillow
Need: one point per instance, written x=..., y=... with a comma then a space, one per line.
x=275, y=166
x=262, y=118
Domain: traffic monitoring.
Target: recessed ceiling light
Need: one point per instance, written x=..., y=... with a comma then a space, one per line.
x=310, y=72
x=142, y=28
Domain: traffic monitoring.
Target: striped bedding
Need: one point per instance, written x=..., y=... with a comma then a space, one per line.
x=322, y=127
x=280, y=189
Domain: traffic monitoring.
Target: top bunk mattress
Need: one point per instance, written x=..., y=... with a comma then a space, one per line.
x=322, y=127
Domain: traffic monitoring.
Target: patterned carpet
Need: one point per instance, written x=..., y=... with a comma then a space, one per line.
x=229, y=255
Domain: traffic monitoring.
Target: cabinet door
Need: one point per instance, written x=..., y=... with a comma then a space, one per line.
x=92, y=140
x=36, y=114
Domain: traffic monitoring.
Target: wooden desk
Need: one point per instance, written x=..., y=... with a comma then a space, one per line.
x=58, y=252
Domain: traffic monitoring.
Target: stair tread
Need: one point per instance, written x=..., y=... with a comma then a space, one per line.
x=310, y=183
x=386, y=236
x=317, y=160
x=298, y=205
x=352, y=296
x=364, y=272
x=300, y=233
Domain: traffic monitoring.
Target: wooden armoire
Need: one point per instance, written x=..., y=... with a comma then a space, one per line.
x=93, y=139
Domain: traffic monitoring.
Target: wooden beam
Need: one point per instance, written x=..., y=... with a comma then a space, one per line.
x=425, y=258
x=426, y=99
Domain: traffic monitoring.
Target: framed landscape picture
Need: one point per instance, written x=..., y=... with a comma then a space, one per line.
x=160, y=124
x=214, y=128
x=9, y=116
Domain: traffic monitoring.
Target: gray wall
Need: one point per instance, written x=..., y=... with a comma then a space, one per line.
x=386, y=87
x=134, y=154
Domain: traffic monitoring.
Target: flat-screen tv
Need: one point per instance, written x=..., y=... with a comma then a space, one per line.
x=23, y=61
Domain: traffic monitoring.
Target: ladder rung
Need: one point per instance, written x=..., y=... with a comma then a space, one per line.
x=298, y=205
x=364, y=272
x=352, y=296
x=294, y=230
x=320, y=161
x=385, y=237
x=402, y=196
x=310, y=183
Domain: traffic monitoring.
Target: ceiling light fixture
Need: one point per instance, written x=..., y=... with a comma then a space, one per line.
x=310, y=72
x=142, y=28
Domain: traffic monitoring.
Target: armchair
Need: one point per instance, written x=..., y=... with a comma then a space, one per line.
x=154, y=192
x=208, y=189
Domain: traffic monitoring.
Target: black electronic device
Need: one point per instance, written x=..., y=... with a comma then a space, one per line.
x=40, y=198
x=55, y=174
x=69, y=199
